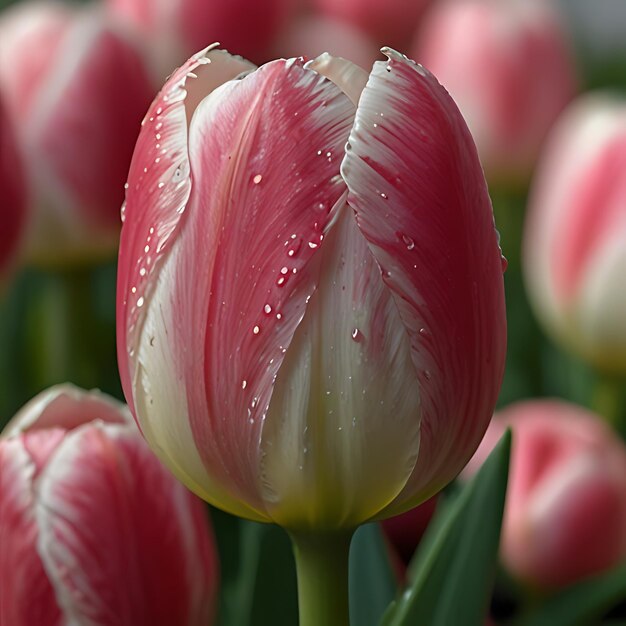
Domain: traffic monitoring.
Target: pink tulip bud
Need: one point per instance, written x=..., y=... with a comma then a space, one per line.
x=93, y=529
x=565, y=515
x=76, y=88
x=311, y=36
x=575, y=239
x=392, y=21
x=13, y=205
x=508, y=65
x=310, y=313
x=177, y=28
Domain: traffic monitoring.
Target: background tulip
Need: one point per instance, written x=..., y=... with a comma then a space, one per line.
x=312, y=35
x=392, y=22
x=12, y=189
x=93, y=529
x=575, y=238
x=76, y=88
x=303, y=324
x=508, y=66
x=181, y=27
x=565, y=515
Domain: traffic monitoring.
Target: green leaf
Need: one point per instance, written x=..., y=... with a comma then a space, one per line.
x=372, y=582
x=581, y=604
x=258, y=584
x=452, y=577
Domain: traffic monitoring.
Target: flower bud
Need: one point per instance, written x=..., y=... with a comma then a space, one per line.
x=392, y=22
x=310, y=292
x=94, y=529
x=574, y=247
x=76, y=88
x=181, y=27
x=507, y=64
x=565, y=514
x=13, y=205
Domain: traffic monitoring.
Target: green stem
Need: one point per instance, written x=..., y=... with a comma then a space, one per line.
x=609, y=398
x=322, y=567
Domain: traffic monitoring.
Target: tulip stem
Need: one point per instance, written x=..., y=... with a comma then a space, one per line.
x=609, y=400
x=322, y=567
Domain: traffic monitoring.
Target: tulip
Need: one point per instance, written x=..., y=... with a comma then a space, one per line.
x=94, y=530
x=13, y=206
x=313, y=35
x=508, y=65
x=392, y=21
x=310, y=292
x=565, y=514
x=61, y=71
x=183, y=26
x=575, y=237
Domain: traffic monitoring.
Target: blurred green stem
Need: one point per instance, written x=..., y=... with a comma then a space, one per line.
x=322, y=567
x=609, y=400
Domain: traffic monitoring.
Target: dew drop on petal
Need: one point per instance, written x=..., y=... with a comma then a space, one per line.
x=257, y=179
x=357, y=335
x=256, y=330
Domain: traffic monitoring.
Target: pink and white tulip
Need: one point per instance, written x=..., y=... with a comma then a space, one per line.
x=392, y=21
x=13, y=192
x=174, y=29
x=76, y=88
x=311, y=323
x=574, y=248
x=312, y=35
x=508, y=65
x=565, y=514
x=93, y=529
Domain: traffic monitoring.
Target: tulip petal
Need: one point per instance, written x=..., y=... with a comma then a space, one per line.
x=345, y=411
x=121, y=541
x=265, y=153
x=66, y=406
x=158, y=189
x=26, y=596
x=421, y=202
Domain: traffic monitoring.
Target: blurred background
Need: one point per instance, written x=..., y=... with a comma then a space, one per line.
x=543, y=88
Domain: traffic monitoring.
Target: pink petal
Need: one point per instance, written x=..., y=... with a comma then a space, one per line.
x=12, y=188
x=158, y=189
x=97, y=94
x=26, y=596
x=66, y=407
x=265, y=155
x=421, y=202
x=122, y=541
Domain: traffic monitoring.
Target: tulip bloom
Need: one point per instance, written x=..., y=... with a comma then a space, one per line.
x=392, y=21
x=13, y=206
x=183, y=26
x=509, y=67
x=93, y=529
x=565, y=514
x=311, y=321
x=61, y=72
x=574, y=249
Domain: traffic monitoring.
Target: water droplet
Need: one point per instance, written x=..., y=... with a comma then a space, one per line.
x=279, y=316
x=357, y=335
x=267, y=309
x=256, y=330
x=504, y=262
x=281, y=280
x=383, y=195
x=244, y=384
x=257, y=179
x=406, y=240
x=423, y=332
x=126, y=185
x=140, y=302
x=427, y=375
x=295, y=248
x=312, y=244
